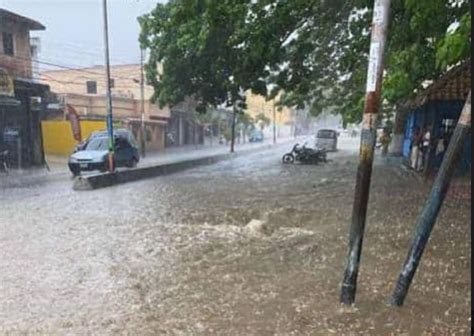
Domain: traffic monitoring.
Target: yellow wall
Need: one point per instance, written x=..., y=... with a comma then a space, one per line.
x=58, y=138
x=257, y=104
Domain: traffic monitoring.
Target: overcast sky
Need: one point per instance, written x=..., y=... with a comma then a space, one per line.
x=74, y=29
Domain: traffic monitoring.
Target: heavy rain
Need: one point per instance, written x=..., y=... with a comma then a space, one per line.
x=264, y=167
x=246, y=246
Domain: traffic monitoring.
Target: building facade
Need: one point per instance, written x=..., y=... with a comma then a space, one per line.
x=85, y=90
x=284, y=117
x=22, y=99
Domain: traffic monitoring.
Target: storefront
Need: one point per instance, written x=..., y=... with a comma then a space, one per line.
x=22, y=103
x=182, y=129
x=437, y=109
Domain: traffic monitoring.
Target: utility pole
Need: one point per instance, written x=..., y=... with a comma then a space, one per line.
x=109, y=95
x=142, y=98
x=428, y=215
x=274, y=123
x=366, y=156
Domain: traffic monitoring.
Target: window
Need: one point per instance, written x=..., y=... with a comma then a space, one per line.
x=91, y=87
x=326, y=134
x=8, y=47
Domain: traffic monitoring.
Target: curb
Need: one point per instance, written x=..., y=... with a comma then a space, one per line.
x=98, y=181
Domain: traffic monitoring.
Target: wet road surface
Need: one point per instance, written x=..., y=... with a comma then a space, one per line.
x=173, y=255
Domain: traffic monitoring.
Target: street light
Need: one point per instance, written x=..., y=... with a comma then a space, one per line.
x=110, y=127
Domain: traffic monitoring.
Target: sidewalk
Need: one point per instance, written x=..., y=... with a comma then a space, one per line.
x=174, y=154
x=193, y=152
x=58, y=168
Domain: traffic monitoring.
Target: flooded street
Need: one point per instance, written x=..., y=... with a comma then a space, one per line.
x=174, y=255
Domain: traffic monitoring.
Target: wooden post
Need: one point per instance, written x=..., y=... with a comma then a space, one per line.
x=428, y=215
x=366, y=155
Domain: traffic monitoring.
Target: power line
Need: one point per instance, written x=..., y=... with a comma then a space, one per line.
x=92, y=55
x=48, y=78
x=63, y=66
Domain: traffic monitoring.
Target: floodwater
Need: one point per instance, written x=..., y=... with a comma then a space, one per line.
x=173, y=255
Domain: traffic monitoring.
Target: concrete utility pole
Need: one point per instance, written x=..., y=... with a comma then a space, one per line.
x=274, y=123
x=142, y=98
x=109, y=94
x=366, y=156
x=428, y=215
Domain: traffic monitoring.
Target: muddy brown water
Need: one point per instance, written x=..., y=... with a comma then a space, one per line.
x=172, y=255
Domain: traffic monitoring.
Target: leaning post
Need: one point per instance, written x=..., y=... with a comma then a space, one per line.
x=428, y=215
x=366, y=155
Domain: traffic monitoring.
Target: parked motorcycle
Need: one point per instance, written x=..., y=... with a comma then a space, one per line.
x=305, y=155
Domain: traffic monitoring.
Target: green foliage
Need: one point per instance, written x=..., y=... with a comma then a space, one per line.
x=455, y=45
x=245, y=119
x=316, y=52
x=262, y=120
x=419, y=46
x=199, y=45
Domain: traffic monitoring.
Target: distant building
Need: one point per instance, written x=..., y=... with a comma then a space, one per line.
x=15, y=53
x=85, y=90
x=257, y=104
x=22, y=99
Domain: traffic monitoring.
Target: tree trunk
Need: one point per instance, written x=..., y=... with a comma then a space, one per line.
x=232, y=137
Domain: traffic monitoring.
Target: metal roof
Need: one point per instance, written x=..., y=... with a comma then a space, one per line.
x=453, y=85
x=32, y=24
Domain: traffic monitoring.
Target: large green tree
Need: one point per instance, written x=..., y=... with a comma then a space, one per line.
x=315, y=51
x=201, y=52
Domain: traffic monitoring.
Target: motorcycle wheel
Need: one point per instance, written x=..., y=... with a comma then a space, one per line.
x=288, y=158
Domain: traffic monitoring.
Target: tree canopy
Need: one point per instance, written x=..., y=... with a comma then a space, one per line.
x=315, y=51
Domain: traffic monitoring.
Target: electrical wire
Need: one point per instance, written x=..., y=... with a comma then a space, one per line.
x=79, y=49
x=83, y=70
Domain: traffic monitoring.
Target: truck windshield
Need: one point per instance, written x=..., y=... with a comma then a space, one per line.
x=326, y=134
